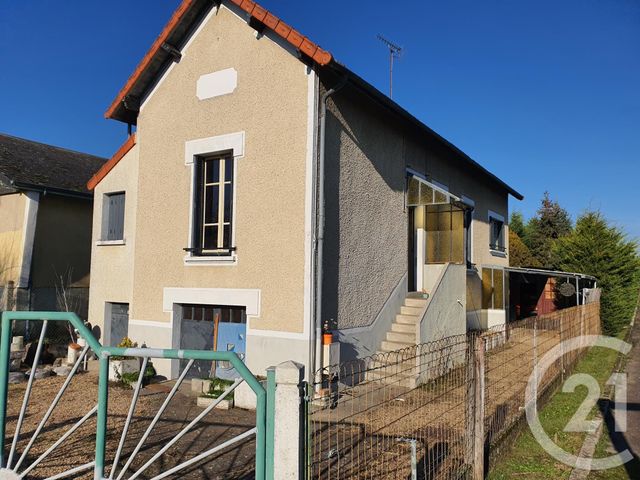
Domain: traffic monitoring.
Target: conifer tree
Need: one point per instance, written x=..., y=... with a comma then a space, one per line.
x=550, y=223
x=599, y=249
x=516, y=225
x=519, y=253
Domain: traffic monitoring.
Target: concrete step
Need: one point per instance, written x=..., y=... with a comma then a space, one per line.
x=388, y=346
x=406, y=319
x=410, y=310
x=404, y=327
x=403, y=337
x=399, y=379
x=415, y=302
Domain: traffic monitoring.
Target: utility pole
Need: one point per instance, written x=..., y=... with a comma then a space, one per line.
x=394, y=52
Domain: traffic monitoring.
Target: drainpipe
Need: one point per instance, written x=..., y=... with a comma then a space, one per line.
x=316, y=333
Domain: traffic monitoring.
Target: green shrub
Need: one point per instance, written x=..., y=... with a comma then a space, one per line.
x=126, y=342
x=217, y=386
x=130, y=379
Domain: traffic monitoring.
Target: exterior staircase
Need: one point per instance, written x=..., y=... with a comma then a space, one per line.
x=390, y=367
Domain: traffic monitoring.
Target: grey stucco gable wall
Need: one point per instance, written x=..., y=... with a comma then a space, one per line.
x=368, y=152
x=366, y=226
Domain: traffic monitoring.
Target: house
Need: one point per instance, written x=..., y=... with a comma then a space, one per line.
x=268, y=190
x=45, y=233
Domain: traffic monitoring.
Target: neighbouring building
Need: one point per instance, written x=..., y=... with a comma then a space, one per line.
x=45, y=231
x=268, y=190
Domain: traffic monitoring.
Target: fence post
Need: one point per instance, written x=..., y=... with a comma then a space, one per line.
x=271, y=412
x=535, y=357
x=479, y=394
x=288, y=428
x=562, y=360
x=470, y=400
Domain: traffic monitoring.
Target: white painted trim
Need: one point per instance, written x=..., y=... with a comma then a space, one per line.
x=150, y=323
x=211, y=261
x=216, y=84
x=420, y=250
x=432, y=183
x=183, y=51
x=257, y=332
x=497, y=253
x=213, y=145
x=309, y=202
x=243, y=297
x=440, y=185
x=218, y=143
x=32, y=202
x=102, y=243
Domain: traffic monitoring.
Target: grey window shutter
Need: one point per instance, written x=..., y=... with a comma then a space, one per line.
x=114, y=217
x=118, y=223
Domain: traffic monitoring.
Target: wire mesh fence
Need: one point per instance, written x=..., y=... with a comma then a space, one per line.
x=58, y=336
x=418, y=412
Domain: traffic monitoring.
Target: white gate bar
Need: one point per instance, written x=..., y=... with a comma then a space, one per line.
x=68, y=473
x=156, y=418
x=125, y=430
x=203, y=455
x=51, y=407
x=27, y=393
x=60, y=440
x=187, y=428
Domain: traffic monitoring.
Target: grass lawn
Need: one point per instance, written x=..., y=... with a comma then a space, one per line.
x=527, y=460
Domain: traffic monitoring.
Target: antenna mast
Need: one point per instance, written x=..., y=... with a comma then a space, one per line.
x=394, y=52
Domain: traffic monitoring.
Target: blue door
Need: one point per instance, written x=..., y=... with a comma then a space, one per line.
x=231, y=337
x=213, y=327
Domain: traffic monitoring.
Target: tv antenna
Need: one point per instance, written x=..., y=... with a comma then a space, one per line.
x=394, y=52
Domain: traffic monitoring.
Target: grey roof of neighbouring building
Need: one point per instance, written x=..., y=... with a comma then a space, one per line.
x=28, y=165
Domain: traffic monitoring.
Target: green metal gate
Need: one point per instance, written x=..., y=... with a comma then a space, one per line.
x=14, y=466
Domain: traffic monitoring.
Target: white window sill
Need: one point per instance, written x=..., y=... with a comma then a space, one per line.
x=498, y=253
x=204, y=261
x=101, y=243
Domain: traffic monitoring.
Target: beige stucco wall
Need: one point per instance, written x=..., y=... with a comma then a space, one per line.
x=269, y=104
x=11, y=236
x=112, y=265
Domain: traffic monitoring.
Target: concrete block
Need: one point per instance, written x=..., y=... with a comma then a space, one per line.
x=197, y=385
x=289, y=373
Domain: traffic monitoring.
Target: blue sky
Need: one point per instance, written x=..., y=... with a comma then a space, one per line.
x=546, y=94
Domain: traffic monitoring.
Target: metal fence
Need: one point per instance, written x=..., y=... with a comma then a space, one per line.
x=115, y=435
x=58, y=336
x=433, y=411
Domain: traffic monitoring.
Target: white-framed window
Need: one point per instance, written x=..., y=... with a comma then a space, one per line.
x=496, y=232
x=113, y=217
x=212, y=227
x=213, y=206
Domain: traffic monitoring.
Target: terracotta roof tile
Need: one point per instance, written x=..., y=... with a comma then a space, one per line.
x=112, y=162
x=260, y=14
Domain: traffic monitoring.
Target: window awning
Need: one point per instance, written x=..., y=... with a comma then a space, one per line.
x=421, y=192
